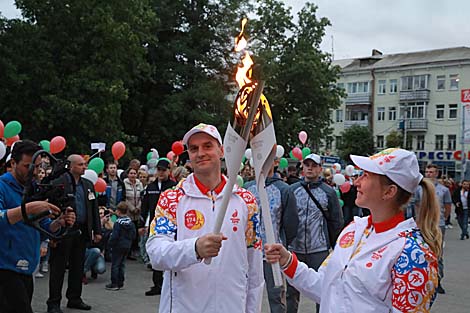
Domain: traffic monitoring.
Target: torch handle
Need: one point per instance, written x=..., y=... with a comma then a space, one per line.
x=268, y=226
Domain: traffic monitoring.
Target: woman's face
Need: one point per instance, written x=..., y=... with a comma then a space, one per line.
x=132, y=175
x=143, y=177
x=41, y=174
x=369, y=190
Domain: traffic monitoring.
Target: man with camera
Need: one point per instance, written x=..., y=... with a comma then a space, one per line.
x=71, y=251
x=20, y=243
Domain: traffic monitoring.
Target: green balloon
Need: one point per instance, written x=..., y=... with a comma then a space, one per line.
x=338, y=194
x=243, y=159
x=96, y=164
x=305, y=151
x=283, y=163
x=149, y=155
x=12, y=129
x=46, y=145
x=240, y=181
x=341, y=203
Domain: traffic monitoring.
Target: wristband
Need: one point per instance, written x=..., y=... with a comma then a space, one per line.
x=289, y=262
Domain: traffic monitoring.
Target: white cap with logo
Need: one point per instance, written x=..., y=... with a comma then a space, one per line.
x=314, y=157
x=203, y=128
x=400, y=165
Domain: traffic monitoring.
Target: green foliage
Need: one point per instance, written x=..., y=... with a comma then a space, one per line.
x=394, y=139
x=356, y=140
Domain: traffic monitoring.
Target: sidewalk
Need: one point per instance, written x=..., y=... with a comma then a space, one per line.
x=138, y=280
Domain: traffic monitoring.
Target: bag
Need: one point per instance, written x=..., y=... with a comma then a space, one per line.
x=332, y=233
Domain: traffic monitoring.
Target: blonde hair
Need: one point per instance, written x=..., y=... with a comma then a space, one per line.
x=429, y=213
x=428, y=217
x=180, y=172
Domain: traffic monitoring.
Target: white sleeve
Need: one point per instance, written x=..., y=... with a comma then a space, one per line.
x=167, y=254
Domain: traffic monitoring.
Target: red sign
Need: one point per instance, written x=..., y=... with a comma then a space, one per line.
x=465, y=95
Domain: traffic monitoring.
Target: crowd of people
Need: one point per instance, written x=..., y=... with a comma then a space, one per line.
x=355, y=248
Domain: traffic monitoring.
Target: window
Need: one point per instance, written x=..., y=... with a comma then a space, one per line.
x=382, y=87
x=381, y=114
x=441, y=82
x=340, y=85
x=439, y=142
x=393, y=86
x=417, y=82
x=339, y=116
x=451, y=142
x=392, y=113
x=452, y=111
x=420, y=142
x=358, y=87
x=413, y=110
x=454, y=81
x=328, y=143
x=356, y=115
x=380, y=142
x=439, y=111
x=409, y=143
x=338, y=141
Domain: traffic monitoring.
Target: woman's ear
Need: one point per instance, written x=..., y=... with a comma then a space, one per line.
x=390, y=192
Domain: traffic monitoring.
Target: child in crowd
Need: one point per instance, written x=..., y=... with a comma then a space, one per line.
x=120, y=242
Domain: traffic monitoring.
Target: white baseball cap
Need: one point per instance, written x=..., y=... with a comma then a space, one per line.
x=314, y=157
x=203, y=128
x=401, y=166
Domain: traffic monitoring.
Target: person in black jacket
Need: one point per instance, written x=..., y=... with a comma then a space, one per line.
x=71, y=251
x=149, y=202
x=120, y=242
x=461, y=199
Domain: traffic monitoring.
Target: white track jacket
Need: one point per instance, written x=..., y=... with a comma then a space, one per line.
x=233, y=282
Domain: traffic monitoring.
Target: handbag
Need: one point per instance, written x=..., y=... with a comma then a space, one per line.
x=332, y=233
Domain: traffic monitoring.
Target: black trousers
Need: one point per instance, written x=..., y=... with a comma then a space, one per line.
x=16, y=292
x=69, y=252
x=157, y=278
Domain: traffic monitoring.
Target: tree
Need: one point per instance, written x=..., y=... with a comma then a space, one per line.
x=394, y=139
x=356, y=140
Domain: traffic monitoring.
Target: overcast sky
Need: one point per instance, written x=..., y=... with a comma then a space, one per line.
x=358, y=26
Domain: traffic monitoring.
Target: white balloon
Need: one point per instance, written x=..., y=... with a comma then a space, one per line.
x=248, y=153
x=3, y=150
x=154, y=153
x=339, y=179
x=119, y=172
x=252, y=162
x=337, y=167
x=349, y=170
x=279, y=151
x=91, y=176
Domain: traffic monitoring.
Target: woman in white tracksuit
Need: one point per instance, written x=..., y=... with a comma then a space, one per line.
x=381, y=263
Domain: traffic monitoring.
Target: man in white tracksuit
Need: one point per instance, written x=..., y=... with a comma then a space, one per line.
x=180, y=238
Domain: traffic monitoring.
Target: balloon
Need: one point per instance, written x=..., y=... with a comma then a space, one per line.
x=297, y=153
x=100, y=185
x=171, y=155
x=119, y=172
x=12, y=128
x=338, y=194
x=96, y=164
x=303, y=137
x=149, y=155
x=152, y=163
x=292, y=155
x=91, y=176
x=248, y=153
x=305, y=151
x=341, y=202
x=243, y=159
x=154, y=153
x=12, y=140
x=349, y=170
x=3, y=150
x=283, y=163
x=339, y=179
x=118, y=149
x=2, y=128
x=345, y=187
x=46, y=145
x=57, y=144
x=177, y=147
x=279, y=151
x=240, y=181
x=252, y=162
x=337, y=167
x=241, y=166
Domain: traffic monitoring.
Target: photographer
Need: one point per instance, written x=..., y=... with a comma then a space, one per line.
x=20, y=243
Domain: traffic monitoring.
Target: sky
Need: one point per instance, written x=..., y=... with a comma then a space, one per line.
x=358, y=26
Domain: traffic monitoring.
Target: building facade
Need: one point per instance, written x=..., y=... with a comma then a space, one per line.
x=417, y=94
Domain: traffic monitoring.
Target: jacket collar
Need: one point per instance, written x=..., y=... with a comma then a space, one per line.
x=204, y=190
x=388, y=224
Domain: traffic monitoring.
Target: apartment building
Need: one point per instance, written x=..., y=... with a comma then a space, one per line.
x=415, y=93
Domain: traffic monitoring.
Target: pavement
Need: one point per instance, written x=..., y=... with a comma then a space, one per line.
x=138, y=280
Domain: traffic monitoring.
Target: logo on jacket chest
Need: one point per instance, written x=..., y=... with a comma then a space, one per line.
x=194, y=220
x=347, y=240
x=235, y=220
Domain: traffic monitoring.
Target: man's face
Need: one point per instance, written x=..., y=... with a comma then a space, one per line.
x=20, y=168
x=78, y=166
x=112, y=170
x=205, y=153
x=431, y=173
x=311, y=170
x=466, y=185
x=162, y=173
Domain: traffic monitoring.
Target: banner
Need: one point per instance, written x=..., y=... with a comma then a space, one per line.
x=465, y=98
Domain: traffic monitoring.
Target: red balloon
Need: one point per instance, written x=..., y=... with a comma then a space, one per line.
x=177, y=147
x=297, y=153
x=345, y=187
x=100, y=185
x=2, y=128
x=12, y=140
x=57, y=144
x=118, y=149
